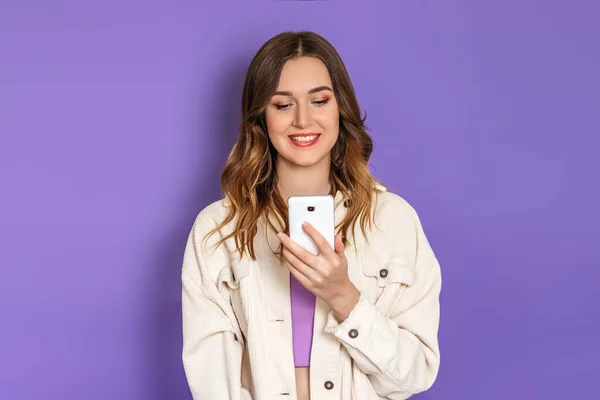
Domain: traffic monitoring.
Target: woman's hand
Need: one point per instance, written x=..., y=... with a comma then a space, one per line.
x=325, y=275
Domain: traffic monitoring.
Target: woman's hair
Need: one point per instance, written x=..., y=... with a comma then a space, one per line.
x=249, y=179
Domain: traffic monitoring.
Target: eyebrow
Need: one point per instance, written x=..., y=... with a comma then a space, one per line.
x=311, y=91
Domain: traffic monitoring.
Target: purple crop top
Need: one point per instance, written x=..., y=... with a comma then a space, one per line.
x=303, y=316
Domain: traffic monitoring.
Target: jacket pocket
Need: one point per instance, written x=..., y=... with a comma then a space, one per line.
x=233, y=275
x=386, y=278
x=385, y=272
x=231, y=280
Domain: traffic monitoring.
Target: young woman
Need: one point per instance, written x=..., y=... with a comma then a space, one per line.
x=262, y=317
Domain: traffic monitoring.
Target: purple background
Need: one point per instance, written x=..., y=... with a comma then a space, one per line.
x=116, y=119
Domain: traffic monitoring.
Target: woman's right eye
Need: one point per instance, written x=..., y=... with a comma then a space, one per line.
x=282, y=106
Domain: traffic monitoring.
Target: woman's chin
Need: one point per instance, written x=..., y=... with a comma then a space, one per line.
x=305, y=161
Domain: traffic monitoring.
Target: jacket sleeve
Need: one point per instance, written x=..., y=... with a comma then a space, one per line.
x=212, y=352
x=398, y=349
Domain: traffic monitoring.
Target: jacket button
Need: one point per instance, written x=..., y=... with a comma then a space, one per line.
x=328, y=385
x=353, y=333
x=383, y=273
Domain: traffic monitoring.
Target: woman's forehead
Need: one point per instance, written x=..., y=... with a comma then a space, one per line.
x=301, y=75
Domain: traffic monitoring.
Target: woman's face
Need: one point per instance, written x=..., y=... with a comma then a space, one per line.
x=303, y=116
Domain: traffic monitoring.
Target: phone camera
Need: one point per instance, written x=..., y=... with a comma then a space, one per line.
x=311, y=208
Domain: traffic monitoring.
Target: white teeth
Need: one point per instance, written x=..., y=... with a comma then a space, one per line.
x=303, y=138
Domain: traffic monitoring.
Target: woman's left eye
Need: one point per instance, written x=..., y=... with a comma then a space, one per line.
x=287, y=106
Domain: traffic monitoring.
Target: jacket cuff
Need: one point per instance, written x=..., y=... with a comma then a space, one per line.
x=357, y=327
x=366, y=331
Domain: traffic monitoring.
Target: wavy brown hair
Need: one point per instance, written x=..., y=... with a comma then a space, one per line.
x=249, y=179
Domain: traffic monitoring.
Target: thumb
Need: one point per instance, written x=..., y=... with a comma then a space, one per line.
x=339, y=246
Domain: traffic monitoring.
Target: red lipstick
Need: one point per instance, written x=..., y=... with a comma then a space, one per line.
x=305, y=139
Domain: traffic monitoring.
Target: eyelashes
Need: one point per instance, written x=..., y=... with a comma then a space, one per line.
x=319, y=103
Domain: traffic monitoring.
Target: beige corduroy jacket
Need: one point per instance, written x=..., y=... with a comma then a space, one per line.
x=237, y=334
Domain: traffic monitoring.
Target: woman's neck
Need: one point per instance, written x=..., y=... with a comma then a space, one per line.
x=296, y=180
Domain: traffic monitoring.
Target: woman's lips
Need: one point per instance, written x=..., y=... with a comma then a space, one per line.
x=304, y=140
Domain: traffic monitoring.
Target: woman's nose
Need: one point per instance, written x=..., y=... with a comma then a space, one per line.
x=302, y=117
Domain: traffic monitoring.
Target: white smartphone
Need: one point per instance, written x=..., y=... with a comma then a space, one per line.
x=317, y=210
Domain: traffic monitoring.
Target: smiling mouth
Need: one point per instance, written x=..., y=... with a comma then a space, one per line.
x=305, y=140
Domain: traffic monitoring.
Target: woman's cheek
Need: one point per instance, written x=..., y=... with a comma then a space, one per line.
x=274, y=125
